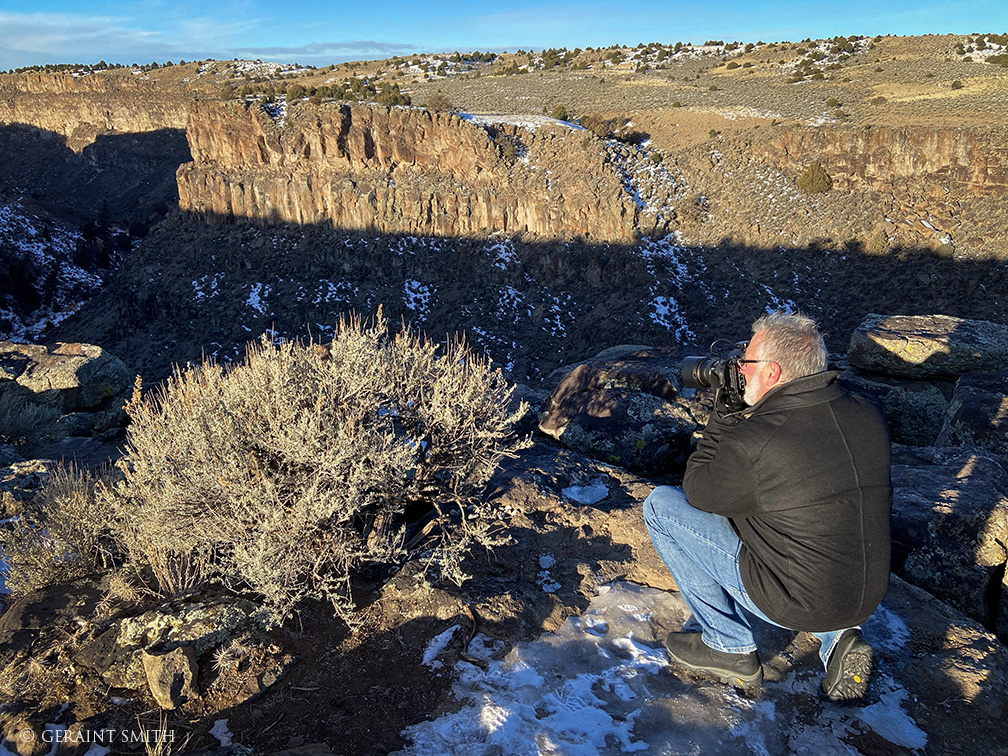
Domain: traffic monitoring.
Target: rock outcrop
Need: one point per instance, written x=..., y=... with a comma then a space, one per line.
x=928, y=346
x=950, y=528
x=978, y=413
x=69, y=377
x=916, y=410
x=117, y=653
x=399, y=170
x=869, y=158
x=80, y=108
x=624, y=407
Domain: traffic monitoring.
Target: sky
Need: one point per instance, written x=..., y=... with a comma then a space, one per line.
x=294, y=31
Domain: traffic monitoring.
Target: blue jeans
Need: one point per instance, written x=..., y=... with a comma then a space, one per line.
x=701, y=551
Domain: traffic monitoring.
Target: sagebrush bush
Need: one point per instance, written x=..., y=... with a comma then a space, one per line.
x=25, y=424
x=815, y=179
x=68, y=532
x=286, y=473
x=438, y=102
x=879, y=243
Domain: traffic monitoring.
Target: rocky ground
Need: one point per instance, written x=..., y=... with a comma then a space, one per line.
x=555, y=636
x=311, y=687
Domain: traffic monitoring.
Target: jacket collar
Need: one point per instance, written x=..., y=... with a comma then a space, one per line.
x=798, y=392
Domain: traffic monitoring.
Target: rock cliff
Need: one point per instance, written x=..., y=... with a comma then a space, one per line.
x=971, y=161
x=82, y=108
x=396, y=170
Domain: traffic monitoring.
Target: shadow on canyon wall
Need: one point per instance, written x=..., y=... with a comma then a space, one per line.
x=197, y=286
x=129, y=176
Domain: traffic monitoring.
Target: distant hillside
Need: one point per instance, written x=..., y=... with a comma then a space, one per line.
x=549, y=203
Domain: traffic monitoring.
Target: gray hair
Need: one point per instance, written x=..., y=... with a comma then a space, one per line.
x=793, y=341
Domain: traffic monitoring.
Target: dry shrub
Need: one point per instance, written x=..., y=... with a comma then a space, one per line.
x=286, y=473
x=879, y=243
x=439, y=102
x=69, y=532
x=815, y=179
x=25, y=424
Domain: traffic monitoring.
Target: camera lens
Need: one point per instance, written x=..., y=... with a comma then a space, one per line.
x=700, y=372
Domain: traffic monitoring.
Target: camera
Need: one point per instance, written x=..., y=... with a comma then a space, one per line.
x=720, y=370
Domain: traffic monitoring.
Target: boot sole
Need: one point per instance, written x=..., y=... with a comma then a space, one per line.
x=857, y=666
x=742, y=682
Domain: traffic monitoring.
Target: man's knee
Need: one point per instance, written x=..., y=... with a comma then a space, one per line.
x=662, y=504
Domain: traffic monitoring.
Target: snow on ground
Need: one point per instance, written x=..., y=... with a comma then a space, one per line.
x=991, y=49
x=207, y=287
x=501, y=250
x=334, y=291
x=598, y=686
x=553, y=320
x=221, y=732
x=511, y=305
x=593, y=493
x=667, y=254
x=545, y=579
x=436, y=646
x=417, y=297
x=529, y=122
x=263, y=68
x=44, y=250
x=4, y=570
x=258, y=294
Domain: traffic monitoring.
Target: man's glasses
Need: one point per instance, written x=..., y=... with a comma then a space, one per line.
x=742, y=346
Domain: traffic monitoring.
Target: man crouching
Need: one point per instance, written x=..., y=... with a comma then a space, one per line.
x=783, y=514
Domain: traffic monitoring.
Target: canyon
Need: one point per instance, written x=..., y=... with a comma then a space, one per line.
x=204, y=210
x=407, y=170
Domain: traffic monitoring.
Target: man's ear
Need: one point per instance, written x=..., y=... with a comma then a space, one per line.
x=774, y=373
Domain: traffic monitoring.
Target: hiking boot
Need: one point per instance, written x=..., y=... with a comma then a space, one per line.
x=850, y=669
x=688, y=651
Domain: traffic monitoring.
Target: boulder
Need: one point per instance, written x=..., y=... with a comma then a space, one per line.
x=978, y=413
x=928, y=346
x=171, y=675
x=20, y=482
x=9, y=455
x=24, y=737
x=624, y=407
x=117, y=653
x=70, y=377
x=950, y=527
x=915, y=409
x=54, y=609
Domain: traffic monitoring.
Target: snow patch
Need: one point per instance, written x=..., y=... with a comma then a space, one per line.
x=527, y=122
x=436, y=646
x=545, y=579
x=221, y=732
x=889, y=720
x=257, y=297
x=417, y=297
x=593, y=493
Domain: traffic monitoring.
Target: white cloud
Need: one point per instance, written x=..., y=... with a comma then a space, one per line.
x=35, y=38
x=333, y=48
x=62, y=32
